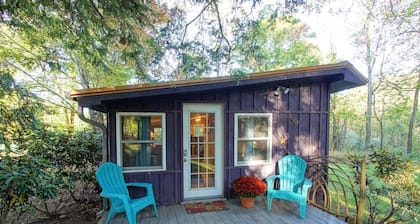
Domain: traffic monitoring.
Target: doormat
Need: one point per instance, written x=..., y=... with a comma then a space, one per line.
x=205, y=206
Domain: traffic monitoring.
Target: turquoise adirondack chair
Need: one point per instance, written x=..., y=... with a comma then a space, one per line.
x=290, y=183
x=111, y=179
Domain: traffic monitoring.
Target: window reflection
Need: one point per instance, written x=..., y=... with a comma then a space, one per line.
x=253, y=138
x=141, y=141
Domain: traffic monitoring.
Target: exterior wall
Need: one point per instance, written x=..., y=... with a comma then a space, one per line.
x=300, y=126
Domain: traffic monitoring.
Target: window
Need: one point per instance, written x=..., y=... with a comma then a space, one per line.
x=141, y=141
x=252, y=138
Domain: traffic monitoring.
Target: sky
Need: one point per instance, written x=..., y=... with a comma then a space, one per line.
x=334, y=28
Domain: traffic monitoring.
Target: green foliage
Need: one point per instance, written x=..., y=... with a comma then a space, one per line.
x=354, y=162
x=392, y=191
x=74, y=154
x=93, y=39
x=394, y=97
x=46, y=161
x=394, y=196
x=18, y=110
x=386, y=163
x=22, y=178
x=239, y=73
x=275, y=43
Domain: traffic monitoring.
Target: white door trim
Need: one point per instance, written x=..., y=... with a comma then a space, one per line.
x=205, y=192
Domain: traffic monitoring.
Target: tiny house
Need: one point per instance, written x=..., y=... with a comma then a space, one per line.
x=193, y=138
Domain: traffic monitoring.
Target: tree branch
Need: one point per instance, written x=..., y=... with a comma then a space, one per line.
x=18, y=44
x=221, y=29
x=37, y=81
x=194, y=19
x=414, y=28
x=96, y=9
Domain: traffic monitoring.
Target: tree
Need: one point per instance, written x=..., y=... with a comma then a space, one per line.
x=64, y=45
x=413, y=117
x=85, y=37
x=38, y=160
x=18, y=110
x=388, y=36
x=371, y=38
x=346, y=120
x=275, y=43
x=404, y=17
x=21, y=176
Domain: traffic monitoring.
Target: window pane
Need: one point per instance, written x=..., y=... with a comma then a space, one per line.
x=261, y=149
x=253, y=150
x=203, y=180
x=194, y=150
x=211, y=119
x=130, y=128
x=245, y=151
x=252, y=140
x=156, y=128
x=146, y=154
x=252, y=126
x=203, y=166
x=156, y=157
x=210, y=134
x=141, y=141
x=210, y=148
x=211, y=165
x=210, y=180
x=260, y=127
x=194, y=181
x=201, y=150
x=194, y=166
x=194, y=119
x=242, y=126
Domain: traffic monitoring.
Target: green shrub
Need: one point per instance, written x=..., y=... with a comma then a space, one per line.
x=23, y=177
x=394, y=197
x=75, y=154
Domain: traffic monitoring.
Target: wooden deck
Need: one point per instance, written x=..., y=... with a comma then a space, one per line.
x=282, y=212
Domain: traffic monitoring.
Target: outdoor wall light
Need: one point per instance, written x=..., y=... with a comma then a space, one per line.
x=284, y=90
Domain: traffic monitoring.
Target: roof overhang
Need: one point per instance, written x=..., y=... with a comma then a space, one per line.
x=340, y=76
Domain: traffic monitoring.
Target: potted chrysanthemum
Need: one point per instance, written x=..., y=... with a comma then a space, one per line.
x=248, y=187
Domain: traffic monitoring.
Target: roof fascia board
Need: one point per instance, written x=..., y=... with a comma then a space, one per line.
x=95, y=99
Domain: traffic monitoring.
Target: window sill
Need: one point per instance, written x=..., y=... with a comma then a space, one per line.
x=142, y=170
x=252, y=163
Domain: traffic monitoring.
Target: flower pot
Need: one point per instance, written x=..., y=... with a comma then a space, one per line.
x=247, y=202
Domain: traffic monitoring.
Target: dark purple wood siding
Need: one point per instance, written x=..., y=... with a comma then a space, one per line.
x=301, y=117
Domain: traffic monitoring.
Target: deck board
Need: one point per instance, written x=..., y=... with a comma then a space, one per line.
x=282, y=212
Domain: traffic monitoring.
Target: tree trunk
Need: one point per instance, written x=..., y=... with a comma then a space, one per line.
x=369, y=106
x=362, y=192
x=370, y=59
x=380, y=119
x=413, y=118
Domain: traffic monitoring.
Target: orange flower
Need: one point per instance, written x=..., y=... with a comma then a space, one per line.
x=249, y=186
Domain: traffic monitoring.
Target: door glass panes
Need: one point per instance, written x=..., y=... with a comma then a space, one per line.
x=210, y=149
x=202, y=143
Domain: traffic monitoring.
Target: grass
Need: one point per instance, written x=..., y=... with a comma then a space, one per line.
x=341, y=189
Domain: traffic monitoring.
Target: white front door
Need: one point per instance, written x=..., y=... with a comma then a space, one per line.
x=203, y=150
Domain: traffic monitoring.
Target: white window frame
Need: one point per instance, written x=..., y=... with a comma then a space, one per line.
x=118, y=140
x=269, y=138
